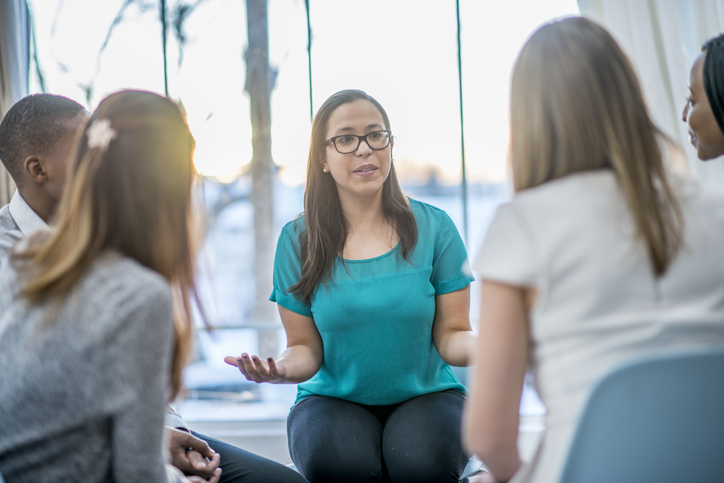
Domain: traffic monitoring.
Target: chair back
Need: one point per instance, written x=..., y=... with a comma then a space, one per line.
x=660, y=419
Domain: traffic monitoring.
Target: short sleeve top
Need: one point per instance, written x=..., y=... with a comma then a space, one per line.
x=375, y=316
x=598, y=302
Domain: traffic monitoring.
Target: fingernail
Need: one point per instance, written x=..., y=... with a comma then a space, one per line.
x=244, y=356
x=269, y=359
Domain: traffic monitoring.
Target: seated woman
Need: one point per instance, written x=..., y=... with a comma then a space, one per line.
x=603, y=255
x=97, y=323
x=374, y=298
x=704, y=110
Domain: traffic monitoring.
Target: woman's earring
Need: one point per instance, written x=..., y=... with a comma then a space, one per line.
x=325, y=170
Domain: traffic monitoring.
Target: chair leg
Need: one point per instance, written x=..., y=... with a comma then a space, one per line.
x=474, y=467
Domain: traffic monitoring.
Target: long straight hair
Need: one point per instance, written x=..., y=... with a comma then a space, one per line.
x=576, y=105
x=133, y=196
x=327, y=228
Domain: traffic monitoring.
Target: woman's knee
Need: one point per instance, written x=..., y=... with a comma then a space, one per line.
x=335, y=440
x=422, y=439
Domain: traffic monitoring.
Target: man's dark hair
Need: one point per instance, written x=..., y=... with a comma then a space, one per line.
x=32, y=126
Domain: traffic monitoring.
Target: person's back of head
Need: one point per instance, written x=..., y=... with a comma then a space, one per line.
x=37, y=136
x=132, y=177
x=576, y=105
x=130, y=191
x=34, y=125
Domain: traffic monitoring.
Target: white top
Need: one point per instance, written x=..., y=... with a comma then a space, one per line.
x=598, y=303
x=27, y=220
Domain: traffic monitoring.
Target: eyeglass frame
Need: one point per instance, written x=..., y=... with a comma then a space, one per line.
x=333, y=140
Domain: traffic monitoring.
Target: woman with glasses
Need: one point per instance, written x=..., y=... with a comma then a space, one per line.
x=373, y=292
x=602, y=257
x=704, y=110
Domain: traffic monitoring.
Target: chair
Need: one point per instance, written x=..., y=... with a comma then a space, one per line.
x=660, y=420
x=474, y=467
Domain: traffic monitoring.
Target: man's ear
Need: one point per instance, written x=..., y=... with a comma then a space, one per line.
x=34, y=167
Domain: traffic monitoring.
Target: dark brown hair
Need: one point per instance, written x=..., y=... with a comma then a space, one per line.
x=326, y=226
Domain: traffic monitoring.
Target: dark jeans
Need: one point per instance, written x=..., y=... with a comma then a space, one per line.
x=419, y=440
x=240, y=466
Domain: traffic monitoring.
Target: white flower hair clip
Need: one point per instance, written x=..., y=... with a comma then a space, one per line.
x=100, y=134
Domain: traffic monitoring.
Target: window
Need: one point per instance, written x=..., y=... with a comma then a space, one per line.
x=404, y=53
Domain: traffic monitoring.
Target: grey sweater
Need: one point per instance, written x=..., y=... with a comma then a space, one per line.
x=82, y=392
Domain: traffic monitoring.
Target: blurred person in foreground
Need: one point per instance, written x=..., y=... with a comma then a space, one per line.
x=36, y=125
x=704, y=109
x=602, y=257
x=96, y=323
x=37, y=142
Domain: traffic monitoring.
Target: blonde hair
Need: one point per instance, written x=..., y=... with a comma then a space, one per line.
x=133, y=195
x=576, y=105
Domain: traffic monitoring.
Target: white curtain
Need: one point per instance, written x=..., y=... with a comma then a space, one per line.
x=14, y=66
x=662, y=38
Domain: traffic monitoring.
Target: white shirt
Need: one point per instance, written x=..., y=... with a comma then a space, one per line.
x=27, y=220
x=17, y=221
x=598, y=302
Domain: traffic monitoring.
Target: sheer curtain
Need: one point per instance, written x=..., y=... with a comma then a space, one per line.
x=662, y=38
x=14, y=64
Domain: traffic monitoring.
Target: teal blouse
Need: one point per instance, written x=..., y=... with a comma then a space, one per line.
x=375, y=316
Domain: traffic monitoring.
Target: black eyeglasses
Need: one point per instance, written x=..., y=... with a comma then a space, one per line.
x=349, y=143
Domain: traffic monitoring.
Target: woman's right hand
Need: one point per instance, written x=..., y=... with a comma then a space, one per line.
x=297, y=363
x=254, y=369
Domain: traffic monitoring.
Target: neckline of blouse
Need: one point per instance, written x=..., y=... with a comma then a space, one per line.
x=347, y=260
